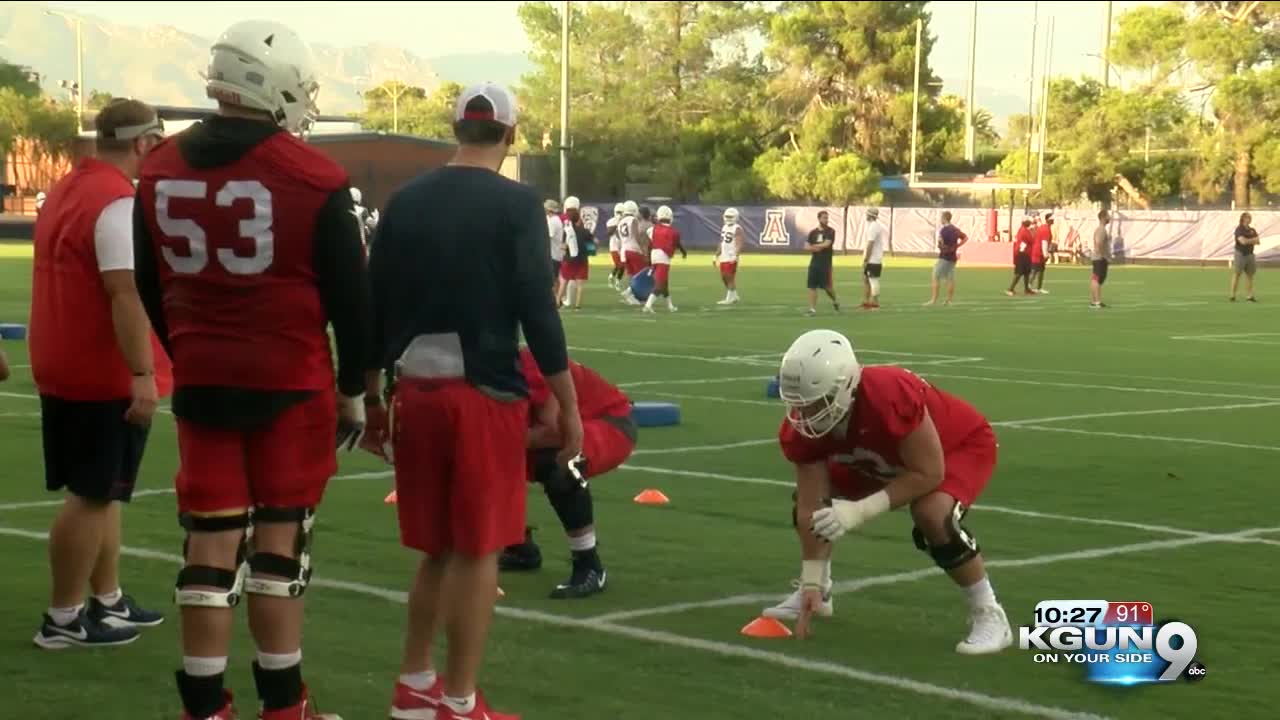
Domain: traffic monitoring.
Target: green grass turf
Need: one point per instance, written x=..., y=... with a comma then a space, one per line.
x=888, y=651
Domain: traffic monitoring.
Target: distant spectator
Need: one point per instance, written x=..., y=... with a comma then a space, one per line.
x=1243, y=261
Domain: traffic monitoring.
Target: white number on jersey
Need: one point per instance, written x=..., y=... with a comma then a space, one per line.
x=729, y=235
x=256, y=228
x=624, y=229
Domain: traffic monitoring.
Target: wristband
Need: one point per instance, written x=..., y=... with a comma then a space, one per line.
x=877, y=504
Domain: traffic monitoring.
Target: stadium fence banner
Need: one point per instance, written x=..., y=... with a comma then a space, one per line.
x=1180, y=235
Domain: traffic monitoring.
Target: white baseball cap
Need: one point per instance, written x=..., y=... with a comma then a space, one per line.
x=501, y=105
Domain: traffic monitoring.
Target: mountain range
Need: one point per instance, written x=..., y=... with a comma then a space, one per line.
x=163, y=65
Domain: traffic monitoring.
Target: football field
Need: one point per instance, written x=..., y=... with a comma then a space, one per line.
x=1139, y=461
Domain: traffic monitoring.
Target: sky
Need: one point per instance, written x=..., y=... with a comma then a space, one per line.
x=441, y=28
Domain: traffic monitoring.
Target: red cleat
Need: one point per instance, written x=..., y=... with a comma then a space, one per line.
x=410, y=704
x=228, y=711
x=304, y=710
x=481, y=712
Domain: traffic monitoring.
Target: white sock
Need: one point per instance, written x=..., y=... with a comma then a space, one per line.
x=648, y=304
x=981, y=594
x=583, y=542
x=420, y=681
x=272, y=661
x=204, y=666
x=111, y=598
x=66, y=615
x=461, y=706
x=734, y=293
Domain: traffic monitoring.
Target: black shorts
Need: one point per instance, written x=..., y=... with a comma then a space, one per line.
x=1100, y=270
x=89, y=449
x=1040, y=266
x=872, y=270
x=819, y=276
x=1022, y=264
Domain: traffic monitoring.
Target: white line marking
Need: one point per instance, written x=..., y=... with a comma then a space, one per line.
x=994, y=702
x=1112, y=388
x=1156, y=378
x=55, y=503
x=703, y=448
x=1127, y=413
x=980, y=506
x=1136, y=436
x=1224, y=335
x=1233, y=341
x=700, y=381
x=777, y=404
x=911, y=576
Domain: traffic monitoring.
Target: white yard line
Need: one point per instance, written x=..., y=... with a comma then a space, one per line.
x=1139, y=436
x=704, y=448
x=980, y=506
x=673, y=640
x=59, y=501
x=1224, y=335
x=911, y=576
x=1127, y=413
x=1096, y=387
x=699, y=381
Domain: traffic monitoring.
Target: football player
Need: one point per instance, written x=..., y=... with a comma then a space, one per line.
x=247, y=247
x=576, y=268
x=615, y=247
x=732, y=239
x=665, y=242
x=609, y=436
x=865, y=441
x=1022, y=245
x=629, y=233
x=362, y=215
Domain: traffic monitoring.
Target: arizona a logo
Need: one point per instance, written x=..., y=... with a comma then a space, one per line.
x=775, y=229
x=590, y=216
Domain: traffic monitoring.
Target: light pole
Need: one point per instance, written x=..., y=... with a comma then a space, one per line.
x=79, y=85
x=400, y=90
x=969, y=135
x=564, y=101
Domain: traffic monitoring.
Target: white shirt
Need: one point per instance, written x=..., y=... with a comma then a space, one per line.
x=113, y=236
x=875, y=234
x=555, y=233
x=571, y=240
x=728, y=243
x=629, y=232
x=615, y=242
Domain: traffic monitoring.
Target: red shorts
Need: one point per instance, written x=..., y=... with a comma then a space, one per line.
x=617, y=258
x=729, y=269
x=604, y=444
x=635, y=263
x=460, y=468
x=968, y=468
x=574, y=271
x=661, y=274
x=286, y=464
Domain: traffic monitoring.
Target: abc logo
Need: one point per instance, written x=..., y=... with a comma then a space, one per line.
x=1196, y=672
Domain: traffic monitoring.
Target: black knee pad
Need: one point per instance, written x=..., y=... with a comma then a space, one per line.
x=961, y=545
x=573, y=505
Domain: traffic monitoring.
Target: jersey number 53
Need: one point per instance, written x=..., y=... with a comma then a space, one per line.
x=195, y=257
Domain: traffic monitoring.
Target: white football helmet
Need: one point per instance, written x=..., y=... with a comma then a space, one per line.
x=572, y=203
x=664, y=214
x=630, y=208
x=263, y=65
x=731, y=216
x=617, y=209
x=817, y=380
x=356, y=195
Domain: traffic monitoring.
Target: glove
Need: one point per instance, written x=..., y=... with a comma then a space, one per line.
x=350, y=422
x=578, y=469
x=830, y=523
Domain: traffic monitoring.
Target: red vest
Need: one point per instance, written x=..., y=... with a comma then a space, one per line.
x=235, y=249
x=72, y=341
x=665, y=238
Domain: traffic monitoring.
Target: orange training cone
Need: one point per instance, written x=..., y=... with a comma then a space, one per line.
x=766, y=627
x=652, y=497
x=391, y=499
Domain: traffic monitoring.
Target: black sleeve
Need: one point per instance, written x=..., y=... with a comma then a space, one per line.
x=344, y=286
x=538, y=316
x=147, y=276
x=381, y=276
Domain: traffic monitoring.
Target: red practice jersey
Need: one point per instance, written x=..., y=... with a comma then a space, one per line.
x=889, y=404
x=1023, y=241
x=597, y=397
x=665, y=238
x=235, y=247
x=1043, y=234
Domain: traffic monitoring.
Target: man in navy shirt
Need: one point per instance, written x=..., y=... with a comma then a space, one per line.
x=950, y=239
x=458, y=269
x=821, y=241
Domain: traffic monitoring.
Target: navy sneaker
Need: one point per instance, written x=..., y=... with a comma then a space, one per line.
x=124, y=613
x=82, y=632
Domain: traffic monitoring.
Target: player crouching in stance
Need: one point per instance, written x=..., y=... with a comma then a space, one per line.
x=868, y=440
x=666, y=241
x=609, y=436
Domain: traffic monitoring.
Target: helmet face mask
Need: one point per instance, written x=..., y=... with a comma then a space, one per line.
x=817, y=381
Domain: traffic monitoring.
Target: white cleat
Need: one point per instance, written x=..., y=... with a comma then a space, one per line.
x=647, y=309
x=988, y=632
x=789, y=608
x=725, y=301
x=1042, y=291
x=671, y=308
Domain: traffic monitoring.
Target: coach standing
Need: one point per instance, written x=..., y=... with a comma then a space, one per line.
x=1101, y=260
x=822, y=240
x=449, y=297
x=1243, y=261
x=97, y=367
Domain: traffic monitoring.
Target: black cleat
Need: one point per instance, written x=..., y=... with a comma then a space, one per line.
x=524, y=557
x=584, y=582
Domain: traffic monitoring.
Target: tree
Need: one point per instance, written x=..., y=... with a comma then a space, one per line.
x=848, y=179
x=412, y=109
x=20, y=79
x=97, y=100
x=1151, y=37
